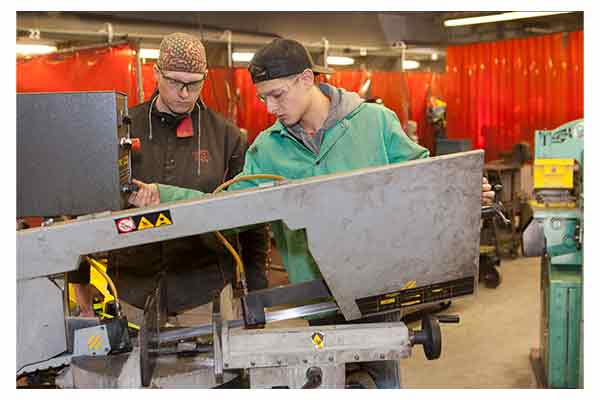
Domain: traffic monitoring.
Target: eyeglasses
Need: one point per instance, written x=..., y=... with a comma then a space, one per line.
x=278, y=95
x=178, y=85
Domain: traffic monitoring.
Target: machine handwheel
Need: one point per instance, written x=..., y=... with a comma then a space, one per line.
x=430, y=336
x=433, y=346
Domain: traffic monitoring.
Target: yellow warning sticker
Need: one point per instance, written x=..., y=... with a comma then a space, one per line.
x=162, y=220
x=94, y=342
x=143, y=221
x=318, y=340
x=144, y=224
x=410, y=285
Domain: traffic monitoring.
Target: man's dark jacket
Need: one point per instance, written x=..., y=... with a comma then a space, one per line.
x=196, y=267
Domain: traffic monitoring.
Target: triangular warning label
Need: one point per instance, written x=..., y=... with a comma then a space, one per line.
x=144, y=224
x=163, y=220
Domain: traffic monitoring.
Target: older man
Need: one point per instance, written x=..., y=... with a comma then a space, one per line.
x=186, y=144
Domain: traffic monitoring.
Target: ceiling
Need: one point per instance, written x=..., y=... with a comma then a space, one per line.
x=379, y=34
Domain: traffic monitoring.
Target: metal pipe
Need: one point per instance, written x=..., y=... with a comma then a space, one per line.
x=229, y=50
x=88, y=47
x=138, y=71
x=273, y=316
x=218, y=37
x=109, y=32
x=325, y=51
x=402, y=55
x=51, y=31
x=192, y=332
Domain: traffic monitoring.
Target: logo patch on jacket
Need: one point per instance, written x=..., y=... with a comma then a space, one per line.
x=201, y=155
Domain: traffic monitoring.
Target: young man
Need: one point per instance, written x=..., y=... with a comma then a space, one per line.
x=320, y=129
x=185, y=144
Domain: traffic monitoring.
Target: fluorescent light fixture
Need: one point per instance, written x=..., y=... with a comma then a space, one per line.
x=507, y=16
x=339, y=60
x=434, y=56
x=410, y=64
x=32, y=49
x=149, y=53
x=242, y=56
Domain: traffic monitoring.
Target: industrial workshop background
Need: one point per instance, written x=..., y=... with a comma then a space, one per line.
x=505, y=90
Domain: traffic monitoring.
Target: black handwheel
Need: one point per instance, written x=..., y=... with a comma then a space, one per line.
x=430, y=336
x=433, y=346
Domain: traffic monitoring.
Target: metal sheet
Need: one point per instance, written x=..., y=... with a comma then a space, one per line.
x=40, y=322
x=371, y=231
x=334, y=377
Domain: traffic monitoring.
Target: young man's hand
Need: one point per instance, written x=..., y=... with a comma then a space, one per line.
x=146, y=195
x=487, y=194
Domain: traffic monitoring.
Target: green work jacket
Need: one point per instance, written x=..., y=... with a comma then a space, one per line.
x=368, y=136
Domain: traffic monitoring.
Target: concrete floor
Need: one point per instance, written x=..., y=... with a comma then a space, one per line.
x=490, y=346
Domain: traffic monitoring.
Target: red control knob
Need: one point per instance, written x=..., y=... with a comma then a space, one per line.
x=136, y=144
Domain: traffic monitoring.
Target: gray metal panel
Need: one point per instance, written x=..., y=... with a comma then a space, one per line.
x=40, y=321
x=370, y=231
x=420, y=223
x=341, y=344
x=67, y=151
x=334, y=377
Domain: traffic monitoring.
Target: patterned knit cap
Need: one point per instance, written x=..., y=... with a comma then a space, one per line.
x=183, y=53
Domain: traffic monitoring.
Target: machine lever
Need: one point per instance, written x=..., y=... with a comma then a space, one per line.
x=129, y=188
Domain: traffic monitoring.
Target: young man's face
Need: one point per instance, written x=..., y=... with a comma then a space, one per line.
x=287, y=98
x=179, y=91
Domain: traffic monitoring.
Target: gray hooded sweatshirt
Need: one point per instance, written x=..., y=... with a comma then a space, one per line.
x=342, y=103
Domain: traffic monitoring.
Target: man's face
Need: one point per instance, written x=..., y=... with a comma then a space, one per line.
x=179, y=90
x=287, y=98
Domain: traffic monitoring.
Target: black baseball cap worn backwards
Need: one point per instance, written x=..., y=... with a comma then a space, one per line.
x=281, y=58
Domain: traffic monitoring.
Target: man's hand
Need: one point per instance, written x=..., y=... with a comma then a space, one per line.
x=146, y=195
x=487, y=194
x=83, y=298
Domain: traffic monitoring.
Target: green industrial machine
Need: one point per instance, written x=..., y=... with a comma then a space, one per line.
x=555, y=233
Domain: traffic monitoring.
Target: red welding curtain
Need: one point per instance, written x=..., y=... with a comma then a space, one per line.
x=499, y=93
x=110, y=68
x=113, y=68
x=404, y=93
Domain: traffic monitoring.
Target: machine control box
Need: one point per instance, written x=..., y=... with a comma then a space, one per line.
x=70, y=160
